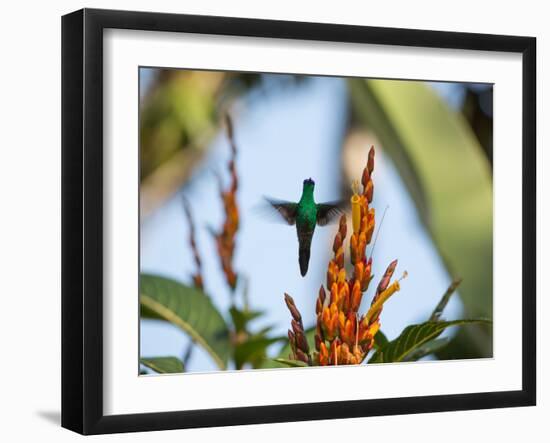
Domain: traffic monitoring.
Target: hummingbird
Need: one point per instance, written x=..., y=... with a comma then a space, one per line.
x=306, y=214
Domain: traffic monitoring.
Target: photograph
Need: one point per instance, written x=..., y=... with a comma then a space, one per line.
x=253, y=222
x=294, y=221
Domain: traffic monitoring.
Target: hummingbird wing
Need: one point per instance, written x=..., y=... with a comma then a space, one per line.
x=286, y=209
x=329, y=212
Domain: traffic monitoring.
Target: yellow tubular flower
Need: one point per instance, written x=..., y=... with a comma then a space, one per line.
x=384, y=296
x=225, y=239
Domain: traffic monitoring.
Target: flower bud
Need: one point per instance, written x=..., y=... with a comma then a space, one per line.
x=301, y=342
x=356, y=296
x=301, y=356
x=365, y=178
x=337, y=242
x=318, y=342
x=370, y=161
x=369, y=190
x=339, y=258
x=323, y=354
x=343, y=229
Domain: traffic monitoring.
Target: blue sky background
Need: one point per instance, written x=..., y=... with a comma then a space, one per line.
x=282, y=138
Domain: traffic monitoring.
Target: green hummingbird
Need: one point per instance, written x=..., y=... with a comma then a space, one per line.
x=306, y=214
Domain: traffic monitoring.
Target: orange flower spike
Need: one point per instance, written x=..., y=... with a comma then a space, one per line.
x=225, y=240
x=341, y=336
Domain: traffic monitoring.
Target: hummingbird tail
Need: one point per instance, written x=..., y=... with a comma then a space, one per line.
x=303, y=253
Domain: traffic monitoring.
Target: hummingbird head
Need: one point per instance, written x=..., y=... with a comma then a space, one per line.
x=309, y=186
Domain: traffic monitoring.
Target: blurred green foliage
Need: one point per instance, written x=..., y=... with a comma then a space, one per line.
x=163, y=365
x=449, y=177
x=189, y=309
x=177, y=113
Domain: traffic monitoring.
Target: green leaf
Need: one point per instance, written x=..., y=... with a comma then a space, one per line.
x=163, y=365
x=254, y=350
x=291, y=363
x=241, y=318
x=438, y=311
x=147, y=313
x=413, y=337
x=189, y=309
x=429, y=348
x=380, y=340
x=447, y=174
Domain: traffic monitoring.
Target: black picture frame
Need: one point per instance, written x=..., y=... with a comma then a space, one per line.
x=82, y=220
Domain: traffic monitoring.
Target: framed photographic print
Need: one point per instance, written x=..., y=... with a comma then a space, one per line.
x=270, y=221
